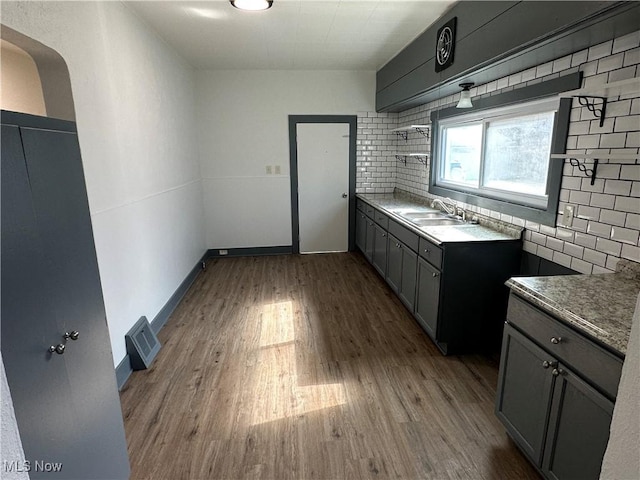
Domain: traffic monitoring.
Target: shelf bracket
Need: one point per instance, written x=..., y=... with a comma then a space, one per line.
x=423, y=132
x=423, y=159
x=589, y=172
x=402, y=158
x=404, y=135
x=596, y=105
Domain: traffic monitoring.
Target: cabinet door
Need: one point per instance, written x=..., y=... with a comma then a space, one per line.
x=67, y=406
x=578, y=429
x=361, y=230
x=428, y=297
x=380, y=250
x=407, y=290
x=523, y=398
x=394, y=265
x=370, y=239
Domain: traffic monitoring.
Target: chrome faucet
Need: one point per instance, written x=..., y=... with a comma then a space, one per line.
x=450, y=209
x=461, y=213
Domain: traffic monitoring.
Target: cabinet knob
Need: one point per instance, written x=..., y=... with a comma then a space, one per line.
x=59, y=349
x=556, y=340
x=547, y=364
x=426, y=250
x=72, y=335
x=435, y=274
x=556, y=372
x=384, y=234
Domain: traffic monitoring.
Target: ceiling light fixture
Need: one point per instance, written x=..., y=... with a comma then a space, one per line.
x=465, y=96
x=253, y=5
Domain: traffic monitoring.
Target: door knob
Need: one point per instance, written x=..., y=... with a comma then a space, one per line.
x=59, y=349
x=344, y=195
x=73, y=335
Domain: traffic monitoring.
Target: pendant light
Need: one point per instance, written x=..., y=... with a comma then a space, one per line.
x=253, y=5
x=465, y=96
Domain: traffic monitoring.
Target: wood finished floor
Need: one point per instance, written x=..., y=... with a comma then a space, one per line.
x=308, y=367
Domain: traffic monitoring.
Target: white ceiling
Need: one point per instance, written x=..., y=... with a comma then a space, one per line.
x=293, y=34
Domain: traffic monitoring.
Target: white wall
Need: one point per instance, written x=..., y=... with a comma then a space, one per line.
x=243, y=127
x=21, y=88
x=10, y=444
x=622, y=458
x=134, y=102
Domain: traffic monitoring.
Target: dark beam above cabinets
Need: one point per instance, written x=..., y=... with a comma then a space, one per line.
x=496, y=39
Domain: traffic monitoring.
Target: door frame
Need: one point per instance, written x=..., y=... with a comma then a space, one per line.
x=294, y=120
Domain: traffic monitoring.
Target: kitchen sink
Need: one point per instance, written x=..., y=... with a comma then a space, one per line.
x=412, y=216
x=437, y=222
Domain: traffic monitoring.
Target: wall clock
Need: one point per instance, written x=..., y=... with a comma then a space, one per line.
x=445, y=44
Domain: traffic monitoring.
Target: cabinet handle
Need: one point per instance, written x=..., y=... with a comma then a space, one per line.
x=547, y=364
x=557, y=371
x=556, y=340
x=435, y=274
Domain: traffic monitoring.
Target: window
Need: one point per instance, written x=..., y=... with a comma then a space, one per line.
x=497, y=156
x=501, y=153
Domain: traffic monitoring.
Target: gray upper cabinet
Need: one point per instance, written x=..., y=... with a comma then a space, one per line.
x=494, y=40
x=66, y=404
x=560, y=418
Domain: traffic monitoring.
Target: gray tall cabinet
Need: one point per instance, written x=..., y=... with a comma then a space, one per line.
x=55, y=342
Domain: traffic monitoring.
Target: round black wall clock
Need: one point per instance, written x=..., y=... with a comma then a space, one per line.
x=445, y=44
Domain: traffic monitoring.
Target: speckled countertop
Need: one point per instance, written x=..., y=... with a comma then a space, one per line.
x=600, y=305
x=393, y=204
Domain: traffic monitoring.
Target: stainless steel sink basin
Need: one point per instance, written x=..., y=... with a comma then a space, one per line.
x=422, y=215
x=437, y=222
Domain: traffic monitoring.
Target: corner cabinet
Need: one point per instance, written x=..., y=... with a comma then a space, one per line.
x=556, y=391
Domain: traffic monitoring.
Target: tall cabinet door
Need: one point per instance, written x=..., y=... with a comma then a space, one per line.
x=82, y=409
x=428, y=297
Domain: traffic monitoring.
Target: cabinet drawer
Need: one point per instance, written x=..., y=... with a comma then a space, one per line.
x=381, y=219
x=430, y=252
x=405, y=235
x=600, y=367
x=369, y=210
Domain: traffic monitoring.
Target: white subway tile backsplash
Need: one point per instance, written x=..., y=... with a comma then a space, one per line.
x=630, y=252
x=626, y=42
x=628, y=204
x=608, y=246
x=586, y=240
x=617, y=187
x=624, y=235
x=573, y=250
x=581, y=266
x=599, y=229
x=595, y=257
x=612, y=216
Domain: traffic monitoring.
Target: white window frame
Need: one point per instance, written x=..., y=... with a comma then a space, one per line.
x=485, y=117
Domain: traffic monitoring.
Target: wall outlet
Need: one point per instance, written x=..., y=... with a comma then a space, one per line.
x=567, y=215
x=269, y=169
x=223, y=252
x=277, y=170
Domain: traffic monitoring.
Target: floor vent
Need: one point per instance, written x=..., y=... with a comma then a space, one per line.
x=142, y=345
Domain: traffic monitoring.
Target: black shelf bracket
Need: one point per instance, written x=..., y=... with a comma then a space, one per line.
x=589, y=172
x=402, y=158
x=423, y=160
x=424, y=133
x=596, y=105
x=404, y=135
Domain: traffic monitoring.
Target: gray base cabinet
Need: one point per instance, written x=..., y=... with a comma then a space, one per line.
x=454, y=290
x=379, y=259
x=428, y=297
x=557, y=414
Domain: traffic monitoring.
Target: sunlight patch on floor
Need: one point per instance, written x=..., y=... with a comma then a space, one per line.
x=277, y=394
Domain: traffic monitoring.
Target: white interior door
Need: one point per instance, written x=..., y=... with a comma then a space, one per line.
x=323, y=186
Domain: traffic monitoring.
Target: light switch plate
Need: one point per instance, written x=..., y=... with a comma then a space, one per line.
x=269, y=169
x=567, y=215
x=277, y=170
